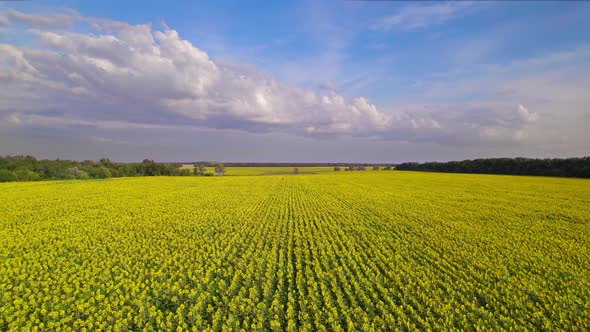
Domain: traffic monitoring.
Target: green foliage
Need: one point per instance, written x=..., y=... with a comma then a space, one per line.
x=184, y=172
x=571, y=167
x=7, y=176
x=149, y=167
x=26, y=175
x=58, y=169
x=356, y=167
x=68, y=169
x=338, y=251
x=101, y=172
x=200, y=169
x=75, y=173
x=219, y=169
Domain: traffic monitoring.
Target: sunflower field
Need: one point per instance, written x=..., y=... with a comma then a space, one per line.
x=337, y=251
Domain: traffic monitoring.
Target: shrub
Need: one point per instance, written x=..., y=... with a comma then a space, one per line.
x=26, y=175
x=7, y=176
x=184, y=172
x=74, y=172
x=200, y=169
x=100, y=172
x=219, y=169
x=103, y=173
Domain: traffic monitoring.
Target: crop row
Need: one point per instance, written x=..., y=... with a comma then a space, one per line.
x=336, y=252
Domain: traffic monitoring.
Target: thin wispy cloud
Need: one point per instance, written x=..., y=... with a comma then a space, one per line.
x=421, y=15
x=52, y=20
x=3, y=20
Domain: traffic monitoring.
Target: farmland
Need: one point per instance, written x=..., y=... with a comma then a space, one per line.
x=268, y=170
x=338, y=251
x=276, y=170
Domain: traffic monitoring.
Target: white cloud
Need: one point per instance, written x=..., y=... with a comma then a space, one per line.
x=132, y=77
x=525, y=115
x=105, y=140
x=44, y=20
x=167, y=76
x=3, y=20
x=416, y=16
x=327, y=85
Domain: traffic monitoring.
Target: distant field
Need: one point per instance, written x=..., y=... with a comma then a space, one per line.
x=334, y=251
x=270, y=170
x=275, y=170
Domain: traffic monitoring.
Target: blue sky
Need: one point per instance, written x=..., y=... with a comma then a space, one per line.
x=295, y=81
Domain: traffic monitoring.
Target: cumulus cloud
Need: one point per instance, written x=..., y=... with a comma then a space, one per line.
x=459, y=124
x=133, y=77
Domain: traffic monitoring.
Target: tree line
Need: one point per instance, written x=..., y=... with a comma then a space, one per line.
x=28, y=168
x=569, y=167
x=274, y=164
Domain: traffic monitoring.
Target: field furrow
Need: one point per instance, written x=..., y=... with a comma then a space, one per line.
x=324, y=252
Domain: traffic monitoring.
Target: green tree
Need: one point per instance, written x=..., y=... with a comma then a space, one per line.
x=7, y=176
x=26, y=175
x=184, y=172
x=74, y=173
x=219, y=169
x=149, y=168
x=103, y=173
x=199, y=169
x=99, y=172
